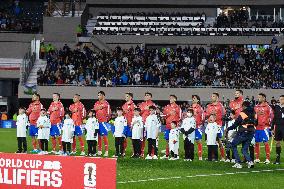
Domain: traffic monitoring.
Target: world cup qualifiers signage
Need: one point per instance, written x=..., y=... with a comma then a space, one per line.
x=23, y=171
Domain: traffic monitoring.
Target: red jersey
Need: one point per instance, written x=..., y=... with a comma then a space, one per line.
x=264, y=115
x=34, y=111
x=172, y=113
x=78, y=113
x=236, y=105
x=56, y=115
x=198, y=114
x=128, y=111
x=103, y=114
x=144, y=107
x=217, y=109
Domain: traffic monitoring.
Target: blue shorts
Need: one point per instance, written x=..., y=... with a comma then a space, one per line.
x=103, y=130
x=55, y=130
x=78, y=131
x=167, y=134
x=261, y=136
x=33, y=130
x=221, y=133
x=198, y=134
x=127, y=131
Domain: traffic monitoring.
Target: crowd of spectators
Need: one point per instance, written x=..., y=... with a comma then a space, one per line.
x=16, y=18
x=240, y=19
x=228, y=67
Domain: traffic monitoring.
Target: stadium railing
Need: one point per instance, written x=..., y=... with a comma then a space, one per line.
x=27, y=66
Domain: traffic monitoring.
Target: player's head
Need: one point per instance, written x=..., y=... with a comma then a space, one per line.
x=22, y=110
x=152, y=110
x=212, y=118
x=35, y=97
x=233, y=114
x=101, y=95
x=55, y=97
x=238, y=93
x=137, y=111
x=173, y=98
x=92, y=113
x=43, y=112
x=190, y=112
x=281, y=100
x=68, y=114
x=261, y=97
x=119, y=111
x=195, y=99
x=148, y=96
x=215, y=97
x=76, y=98
x=128, y=96
x=173, y=124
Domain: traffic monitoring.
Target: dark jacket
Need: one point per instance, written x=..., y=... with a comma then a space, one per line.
x=278, y=120
x=250, y=121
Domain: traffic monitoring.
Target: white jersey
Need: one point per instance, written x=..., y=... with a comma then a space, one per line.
x=212, y=129
x=174, y=140
x=43, y=133
x=137, y=127
x=91, y=126
x=22, y=123
x=68, y=129
x=231, y=133
x=188, y=123
x=119, y=124
x=152, y=125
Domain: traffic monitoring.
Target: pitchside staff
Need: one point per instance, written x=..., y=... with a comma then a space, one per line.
x=277, y=127
x=245, y=123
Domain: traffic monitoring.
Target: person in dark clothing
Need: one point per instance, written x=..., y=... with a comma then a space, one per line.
x=277, y=127
x=245, y=123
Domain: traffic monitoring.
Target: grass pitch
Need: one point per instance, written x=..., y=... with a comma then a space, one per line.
x=144, y=174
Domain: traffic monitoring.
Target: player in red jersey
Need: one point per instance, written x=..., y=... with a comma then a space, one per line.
x=145, y=112
x=264, y=116
x=216, y=108
x=56, y=113
x=128, y=112
x=34, y=112
x=199, y=119
x=172, y=112
x=103, y=113
x=78, y=114
x=236, y=104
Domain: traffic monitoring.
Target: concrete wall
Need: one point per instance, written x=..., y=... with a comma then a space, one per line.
x=188, y=2
x=133, y=40
x=116, y=93
x=60, y=29
x=15, y=45
x=13, y=74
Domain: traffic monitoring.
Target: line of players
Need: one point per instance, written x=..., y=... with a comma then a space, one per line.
x=171, y=115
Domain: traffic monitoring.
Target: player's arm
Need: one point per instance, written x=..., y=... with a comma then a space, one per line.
x=61, y=111
x=271, y=115
x=108, y=112
x=238, y=122
x=29, y=110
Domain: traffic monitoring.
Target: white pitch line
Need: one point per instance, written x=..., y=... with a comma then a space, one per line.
x=203, y=175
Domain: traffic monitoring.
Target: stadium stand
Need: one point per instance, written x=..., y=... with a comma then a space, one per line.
x=229, y=67
x=24, y=17
x=179, y=24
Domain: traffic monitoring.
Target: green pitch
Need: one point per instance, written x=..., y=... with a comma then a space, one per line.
x=144, y=174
